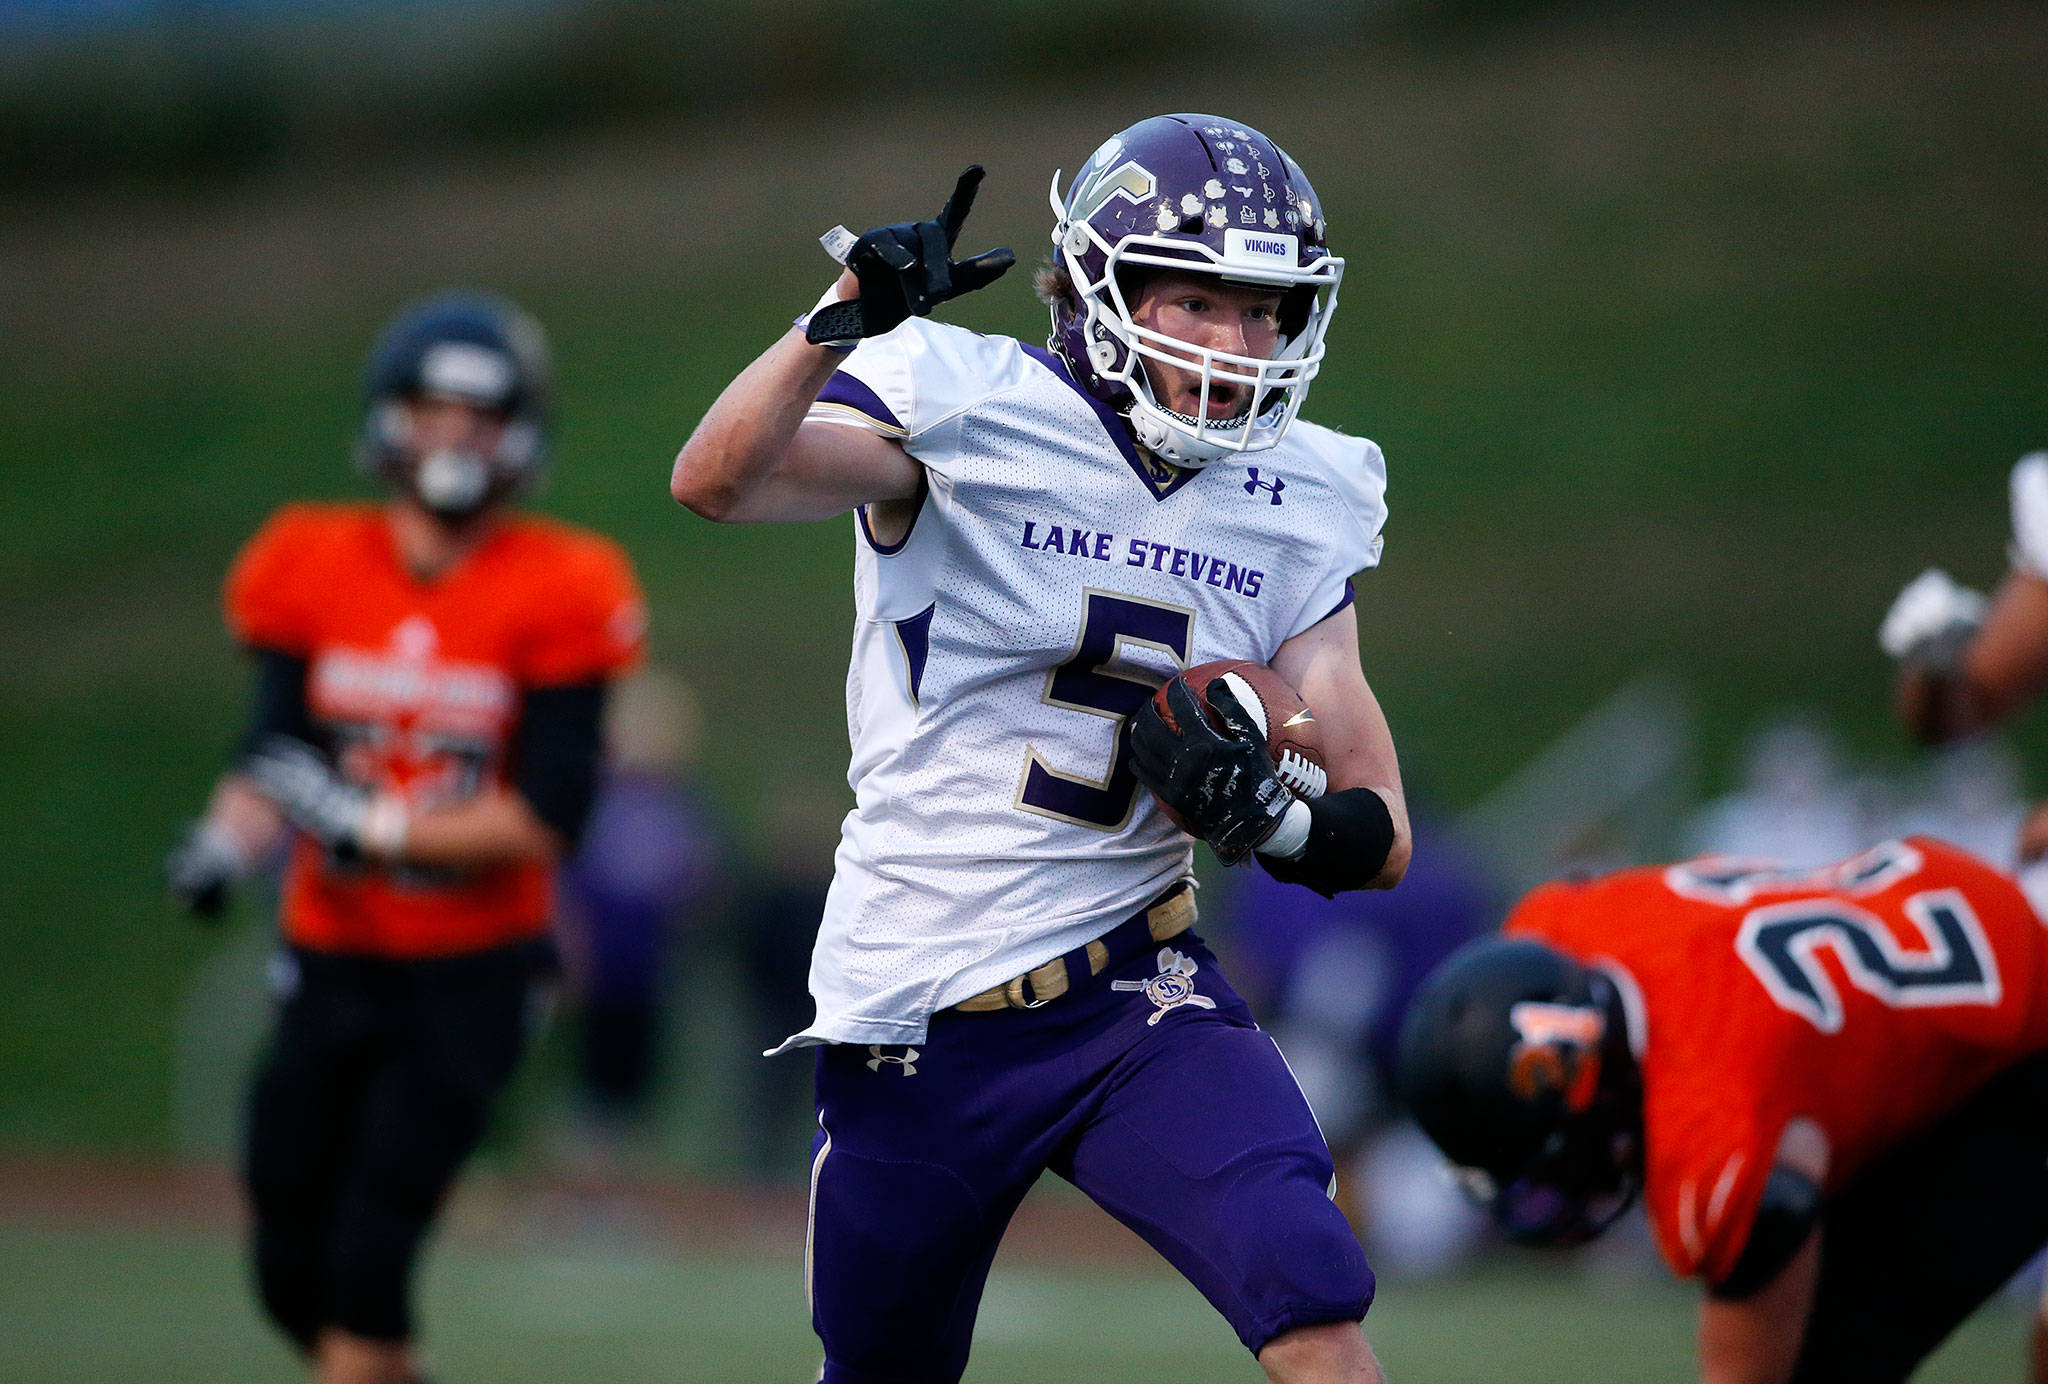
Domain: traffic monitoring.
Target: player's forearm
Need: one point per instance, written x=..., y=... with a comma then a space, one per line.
x=1756, y=1339
x=494, y=828
x=1362, y=756
x=1936, y=708
x=249, y=818
x=2002, y=667
x=1403, y=849
x=747, y=432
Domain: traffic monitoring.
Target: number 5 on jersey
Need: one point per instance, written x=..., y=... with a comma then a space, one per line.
x=1091, y=681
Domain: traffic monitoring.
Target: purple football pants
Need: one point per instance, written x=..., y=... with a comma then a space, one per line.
x=1160, y=1099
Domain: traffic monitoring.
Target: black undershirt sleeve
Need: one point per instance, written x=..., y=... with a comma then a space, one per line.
x=1784, y=1218
x=278, y=704
x=555, y=754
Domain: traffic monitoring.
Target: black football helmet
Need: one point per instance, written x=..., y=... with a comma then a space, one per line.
x=1515, y=1059
x=476, y=349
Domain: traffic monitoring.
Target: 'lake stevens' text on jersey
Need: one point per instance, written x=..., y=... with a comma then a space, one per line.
x=1055, y=575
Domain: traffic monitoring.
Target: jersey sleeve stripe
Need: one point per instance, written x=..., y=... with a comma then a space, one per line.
x=844, y=391
x=1350, y=595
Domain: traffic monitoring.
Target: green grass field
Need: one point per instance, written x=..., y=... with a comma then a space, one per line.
x=115, y=1306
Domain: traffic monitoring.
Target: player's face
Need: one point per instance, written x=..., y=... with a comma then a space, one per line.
x=1238, y=320
x=449, y=425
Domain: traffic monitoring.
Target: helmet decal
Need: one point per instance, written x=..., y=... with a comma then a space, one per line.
x=1127, y=180
x=1556, y=1052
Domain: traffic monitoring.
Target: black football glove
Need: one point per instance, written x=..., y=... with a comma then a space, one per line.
x=906, y=270
x=312, y=796
x=1219, y=777
x=203, y=868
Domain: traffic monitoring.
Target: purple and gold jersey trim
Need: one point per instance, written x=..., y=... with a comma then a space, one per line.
x=867, y=528
x=1162, y=478
x=915, y=635
x=845, y=393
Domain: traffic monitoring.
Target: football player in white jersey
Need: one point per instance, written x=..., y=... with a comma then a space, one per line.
x=1005, y=976
x=1968, y=662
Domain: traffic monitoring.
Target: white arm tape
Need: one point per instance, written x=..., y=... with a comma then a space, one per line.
x=385, y=825
x=838, y=243
x=2030, y=514
x=1290, y=838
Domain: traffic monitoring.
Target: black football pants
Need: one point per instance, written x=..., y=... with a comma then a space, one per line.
x=1919, y=1239
x=378, y=1083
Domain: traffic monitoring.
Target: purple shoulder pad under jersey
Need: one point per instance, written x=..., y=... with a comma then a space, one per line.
x=847, y=392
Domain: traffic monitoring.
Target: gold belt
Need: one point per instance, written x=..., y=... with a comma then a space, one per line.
x=1170, y=917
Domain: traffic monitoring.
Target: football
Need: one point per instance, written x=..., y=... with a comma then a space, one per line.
x=1292, y=736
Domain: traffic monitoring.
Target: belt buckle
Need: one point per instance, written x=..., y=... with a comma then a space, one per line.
x=1013, y=992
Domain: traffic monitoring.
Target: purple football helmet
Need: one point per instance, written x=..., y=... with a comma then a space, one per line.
x=1203, y=194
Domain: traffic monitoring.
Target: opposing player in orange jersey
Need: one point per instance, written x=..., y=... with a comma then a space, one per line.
x=430, y=681
x=1831, y=1087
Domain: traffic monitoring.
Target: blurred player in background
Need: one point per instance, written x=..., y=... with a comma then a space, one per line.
x=790, y=877
x=430, y=679
x=650, y=870
x=1331, y=980
x=1005, y=977
x=1965, y=662
x=1794, y=804
x=1831, y=1086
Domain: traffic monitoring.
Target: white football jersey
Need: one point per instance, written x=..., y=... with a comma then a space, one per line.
x=1054, y=577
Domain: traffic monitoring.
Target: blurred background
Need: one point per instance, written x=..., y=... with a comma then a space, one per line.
x=1691, y=332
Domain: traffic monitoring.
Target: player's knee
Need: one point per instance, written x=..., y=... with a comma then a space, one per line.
x=369, y=1287
x=1306, y=1265
x=1320, y=1353
x=370, y=1259
x=291, y=1283
x=899, y=1255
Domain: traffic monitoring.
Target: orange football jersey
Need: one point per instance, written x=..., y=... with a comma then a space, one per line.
x=1870, y=997
x=420, y=686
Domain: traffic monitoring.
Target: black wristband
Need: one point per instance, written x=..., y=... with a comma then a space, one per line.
x=1785, y=1217
x=1350, y=835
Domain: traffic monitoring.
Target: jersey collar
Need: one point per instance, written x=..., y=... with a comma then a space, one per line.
x=1160, y=477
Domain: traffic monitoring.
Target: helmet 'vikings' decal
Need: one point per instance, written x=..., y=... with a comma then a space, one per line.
x=1192, y=193
x=474, y=349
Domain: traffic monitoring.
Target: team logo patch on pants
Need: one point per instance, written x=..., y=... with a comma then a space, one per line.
x=1173, y=987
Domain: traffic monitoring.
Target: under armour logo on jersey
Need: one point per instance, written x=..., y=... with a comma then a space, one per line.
x=1254, y=485
x=1173, y=987
x=907, y=1060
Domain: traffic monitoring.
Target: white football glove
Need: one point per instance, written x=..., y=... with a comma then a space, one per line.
x=349, y=820
x=203, y=868
x=1932, y=621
